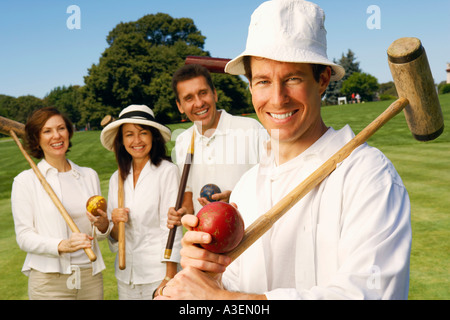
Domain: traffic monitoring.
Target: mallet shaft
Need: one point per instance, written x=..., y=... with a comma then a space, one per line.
x=121, y=227
x=181, y=189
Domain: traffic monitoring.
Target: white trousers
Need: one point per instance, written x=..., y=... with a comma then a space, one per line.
x=136, y=291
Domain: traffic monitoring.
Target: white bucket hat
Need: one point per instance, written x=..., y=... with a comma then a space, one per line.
x=287, y=31
x=138, y=114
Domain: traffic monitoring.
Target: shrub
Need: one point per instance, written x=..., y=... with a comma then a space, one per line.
x=387, y=97
x=445, y=88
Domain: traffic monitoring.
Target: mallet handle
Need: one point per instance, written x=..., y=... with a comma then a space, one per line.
x=90, y=253
x=180, y=196
x=215, y=65
x=121, y=227
x=265, y=222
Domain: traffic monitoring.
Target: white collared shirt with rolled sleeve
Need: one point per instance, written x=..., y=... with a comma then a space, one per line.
x=146, y=231
x=349, y=238
x=222, y=158
x=38, y=223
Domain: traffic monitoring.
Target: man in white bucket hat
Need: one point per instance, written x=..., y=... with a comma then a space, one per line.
x=350, y=237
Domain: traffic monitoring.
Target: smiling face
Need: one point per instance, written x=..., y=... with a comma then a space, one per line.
x=287, y=100
x=54, y=138
x=198, y=101
x=137, y=141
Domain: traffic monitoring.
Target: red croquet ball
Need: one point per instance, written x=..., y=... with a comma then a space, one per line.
x=224, y=223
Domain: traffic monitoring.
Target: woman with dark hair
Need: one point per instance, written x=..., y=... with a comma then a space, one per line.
x=56, y=263
x=150, y=184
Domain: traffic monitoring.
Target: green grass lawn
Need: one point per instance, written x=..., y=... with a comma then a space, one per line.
x=424, y=168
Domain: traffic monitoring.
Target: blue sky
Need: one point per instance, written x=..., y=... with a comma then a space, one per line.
x=38, y=52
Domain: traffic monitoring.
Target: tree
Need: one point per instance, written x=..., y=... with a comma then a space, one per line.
x=350, y=65
x=7, y=105
x=233, y=94
x=24, y=106
x=388, y=91
x=138, y=65
x=445, y=89
x=364, y=84
x=161, y=29
x=388, y=88
x=68, y=100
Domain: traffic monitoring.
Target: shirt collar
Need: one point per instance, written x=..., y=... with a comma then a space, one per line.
x=224, y=123
x=222, y=126
x=148, y=167
x=319, y=152
x=329, y=143
x=46, y=169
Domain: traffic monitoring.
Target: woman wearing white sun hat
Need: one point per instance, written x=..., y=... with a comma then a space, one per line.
x=150, y=187
x=350, y=237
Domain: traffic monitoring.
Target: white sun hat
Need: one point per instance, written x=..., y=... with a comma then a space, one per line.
x=138, y=114
x=287, y=31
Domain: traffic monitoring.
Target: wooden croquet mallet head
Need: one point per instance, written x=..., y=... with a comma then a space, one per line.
x=214, y=65
x=6, y=125
x=413, y=80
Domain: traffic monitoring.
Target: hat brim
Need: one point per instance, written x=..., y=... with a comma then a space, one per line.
x=109, y=133
x=285, y=54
